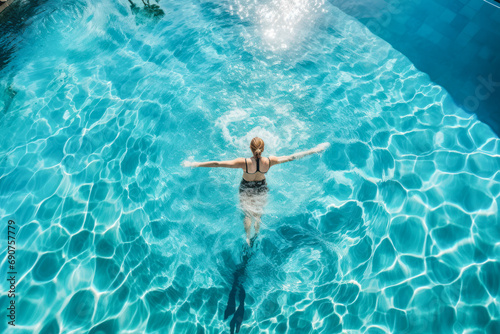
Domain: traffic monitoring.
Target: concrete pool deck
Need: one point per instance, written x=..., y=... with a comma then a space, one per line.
x=4, y=5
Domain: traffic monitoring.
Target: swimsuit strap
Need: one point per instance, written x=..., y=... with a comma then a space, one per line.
x=258, y=165
x=246, y=164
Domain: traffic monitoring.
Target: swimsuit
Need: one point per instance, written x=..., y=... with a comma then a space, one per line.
x=257, y=160
x=254, y=187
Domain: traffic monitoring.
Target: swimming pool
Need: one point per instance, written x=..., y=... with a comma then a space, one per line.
x=394, y=228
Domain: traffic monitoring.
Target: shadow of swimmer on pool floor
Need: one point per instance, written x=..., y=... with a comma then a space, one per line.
x=253, y=187
x=238, y=289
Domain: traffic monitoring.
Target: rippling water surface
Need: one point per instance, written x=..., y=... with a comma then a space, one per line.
x=394, y=228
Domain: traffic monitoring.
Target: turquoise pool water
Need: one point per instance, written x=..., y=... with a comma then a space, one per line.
x=393, y=229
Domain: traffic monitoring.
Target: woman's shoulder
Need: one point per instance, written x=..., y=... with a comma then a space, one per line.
x=240, y=162
x=272, y=160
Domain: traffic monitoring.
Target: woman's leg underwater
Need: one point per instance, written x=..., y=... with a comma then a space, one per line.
x=260, y=204
x=248, y=225
x=257, y=223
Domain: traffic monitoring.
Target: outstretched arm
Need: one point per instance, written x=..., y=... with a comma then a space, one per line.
x=299, y=155
x=236, y=163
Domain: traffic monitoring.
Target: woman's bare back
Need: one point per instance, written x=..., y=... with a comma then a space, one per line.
x=256, y=169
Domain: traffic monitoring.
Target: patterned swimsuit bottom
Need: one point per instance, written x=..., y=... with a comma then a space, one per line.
x=253, y=187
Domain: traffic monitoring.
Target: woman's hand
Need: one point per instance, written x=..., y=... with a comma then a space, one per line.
x=321, y=147
x=186, y=163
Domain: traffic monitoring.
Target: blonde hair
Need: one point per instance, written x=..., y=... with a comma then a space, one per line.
x=257, y=147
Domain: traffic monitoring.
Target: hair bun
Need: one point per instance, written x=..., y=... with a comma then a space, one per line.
x=257, y=146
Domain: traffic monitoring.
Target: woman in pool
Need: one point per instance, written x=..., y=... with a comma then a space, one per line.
x=253, y=186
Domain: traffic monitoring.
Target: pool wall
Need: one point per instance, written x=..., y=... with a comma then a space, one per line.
x=457, y=43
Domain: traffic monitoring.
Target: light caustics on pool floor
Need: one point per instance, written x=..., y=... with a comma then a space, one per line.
x=393, y=229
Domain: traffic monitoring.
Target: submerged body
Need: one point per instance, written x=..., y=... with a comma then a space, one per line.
x=253, y=192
